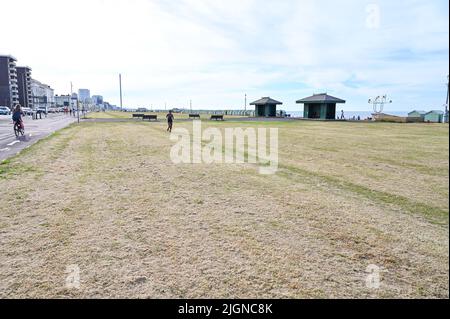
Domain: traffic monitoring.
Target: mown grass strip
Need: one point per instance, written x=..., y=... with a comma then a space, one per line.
x=434, y=215
x=9, y=170
x=12, y=167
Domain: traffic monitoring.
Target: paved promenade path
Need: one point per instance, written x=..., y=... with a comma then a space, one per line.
x=35, y=131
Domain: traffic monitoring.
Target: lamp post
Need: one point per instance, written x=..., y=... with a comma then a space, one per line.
x=78, y=111
x=120, y=88
x=446, y=103
x=245, y=106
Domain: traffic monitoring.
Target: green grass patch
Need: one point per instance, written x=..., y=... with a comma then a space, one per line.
x=432, y=214
x=11, y=169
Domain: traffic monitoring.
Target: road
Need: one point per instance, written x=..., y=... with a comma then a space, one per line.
x=34, y=131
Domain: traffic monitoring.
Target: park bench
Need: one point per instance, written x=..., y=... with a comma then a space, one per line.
x=150, y=117
x=194, y=116
x=138, y=116
x=217, y=117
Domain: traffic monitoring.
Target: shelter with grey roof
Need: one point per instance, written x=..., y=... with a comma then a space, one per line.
x=416, y=116
x=434, y=117
x=417, y=113
x=320, y=106
x=266, y=107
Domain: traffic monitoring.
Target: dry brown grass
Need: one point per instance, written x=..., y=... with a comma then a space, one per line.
x=105, y=196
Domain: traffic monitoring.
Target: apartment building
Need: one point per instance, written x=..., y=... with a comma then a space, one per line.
x=97, y=99
x=9, y=90
x=42, y=94
x=24, y=86
x=84, y=95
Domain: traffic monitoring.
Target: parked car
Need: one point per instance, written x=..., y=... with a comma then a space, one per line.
x=4, y=110
x=27, y=111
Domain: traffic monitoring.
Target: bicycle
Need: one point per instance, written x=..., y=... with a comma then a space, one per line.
x=19, y=130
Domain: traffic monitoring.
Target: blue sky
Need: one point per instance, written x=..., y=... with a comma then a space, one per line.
x=214, y=52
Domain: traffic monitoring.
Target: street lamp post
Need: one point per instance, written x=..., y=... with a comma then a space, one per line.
x=78, y=104
x=446, y=103
x=245, y=107
x=120, y=87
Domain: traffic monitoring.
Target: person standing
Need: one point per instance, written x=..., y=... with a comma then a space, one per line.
x=170, y=119
x=342, y=115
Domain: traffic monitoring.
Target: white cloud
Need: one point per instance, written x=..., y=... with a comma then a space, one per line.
x=216, y=51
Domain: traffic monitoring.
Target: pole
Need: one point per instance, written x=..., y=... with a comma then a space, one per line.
x=25, y=102
x=120, y=86
x=245, y=107
x=70, y=99
x=448, y=87
x=190, y=103
x=446, y=103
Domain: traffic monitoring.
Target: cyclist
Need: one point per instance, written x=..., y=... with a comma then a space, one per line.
x=17, y=117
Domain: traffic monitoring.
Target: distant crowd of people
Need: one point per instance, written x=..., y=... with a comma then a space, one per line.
x=354, y=118
x=74, y=112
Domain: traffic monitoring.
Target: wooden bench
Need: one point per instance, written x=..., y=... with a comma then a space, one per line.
x=138, y=116
x=217, y=117
x=150, y=117
x=194, y=116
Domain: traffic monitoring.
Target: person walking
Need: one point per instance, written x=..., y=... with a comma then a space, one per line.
x=170, y=119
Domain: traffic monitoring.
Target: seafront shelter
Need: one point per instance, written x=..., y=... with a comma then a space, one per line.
x=418, y=115
x=320, y=106
x=266, y=107
x=434, y=117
